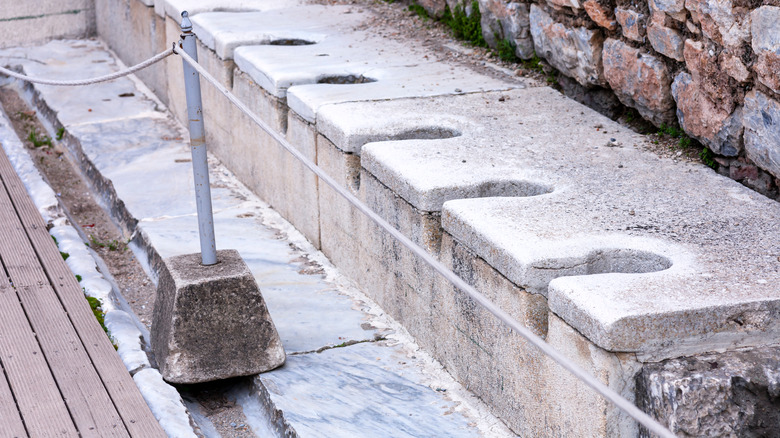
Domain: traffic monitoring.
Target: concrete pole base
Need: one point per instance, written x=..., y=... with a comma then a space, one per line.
x=211, y=322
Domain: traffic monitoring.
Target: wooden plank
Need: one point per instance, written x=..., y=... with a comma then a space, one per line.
x=137, y=417
x=89, y=405
x=38, y=399
x=10, y=417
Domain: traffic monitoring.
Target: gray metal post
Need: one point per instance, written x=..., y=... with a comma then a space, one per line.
x=200, y=168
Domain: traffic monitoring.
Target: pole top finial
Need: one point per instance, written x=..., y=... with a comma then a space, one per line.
x=186, y=24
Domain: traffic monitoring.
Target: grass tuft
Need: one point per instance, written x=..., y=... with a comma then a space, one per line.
x=38, y=140
x=708, y=158
x=466, y=27
x=506, y=50
x=420, y=11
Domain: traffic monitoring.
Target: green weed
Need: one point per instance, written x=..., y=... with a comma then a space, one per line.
x=420, y=11
x=707, y=157
x=465, y=27
x=631, y=115
x=78, y=278
x=112, y=245
x=25, y=115
x=671, y=131
x=506, y=50
x=60, y=133
x=38, y=141
x=97, y=310
x=683, y=142
x=535, y=64
x=64, y=255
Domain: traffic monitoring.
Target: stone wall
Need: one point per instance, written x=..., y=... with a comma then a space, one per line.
x=30, y=22
x=710, y=66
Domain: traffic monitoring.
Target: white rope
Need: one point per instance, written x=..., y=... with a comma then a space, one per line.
x=612, y=396
x=157, y=58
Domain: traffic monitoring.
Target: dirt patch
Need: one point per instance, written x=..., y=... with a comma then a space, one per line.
x=52, y=160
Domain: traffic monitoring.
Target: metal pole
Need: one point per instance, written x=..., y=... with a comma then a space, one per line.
x=200, y=168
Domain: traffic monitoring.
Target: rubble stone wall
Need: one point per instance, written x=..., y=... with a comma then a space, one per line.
x=30, y=22
x=711, y=66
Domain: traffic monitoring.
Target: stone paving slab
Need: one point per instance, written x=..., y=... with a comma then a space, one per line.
x=79, y=59
x=374, y=373
x=636, y=252
x=310, y=312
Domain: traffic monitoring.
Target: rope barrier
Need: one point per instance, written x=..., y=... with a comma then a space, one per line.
x=610, y=395
x=157, y=58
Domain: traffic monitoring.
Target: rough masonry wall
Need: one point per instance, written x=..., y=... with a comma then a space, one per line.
x=711, y=66
x=30, y=22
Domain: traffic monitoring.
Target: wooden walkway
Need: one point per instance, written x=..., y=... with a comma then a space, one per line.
x=59, y=374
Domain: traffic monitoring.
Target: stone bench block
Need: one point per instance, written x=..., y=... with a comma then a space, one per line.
x=174, y=8
x=211, y=322
x=223, y=32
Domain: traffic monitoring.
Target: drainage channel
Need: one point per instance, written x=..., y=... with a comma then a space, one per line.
x=213, y=408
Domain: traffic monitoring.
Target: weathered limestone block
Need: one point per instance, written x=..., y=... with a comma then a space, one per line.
x=665, y=40
x=762, y=131
x=766, y=44
x=498, y=365
x=28, y=23
x=672, y=8
x=640, y=81
x=731, y=394
x=176, y=98
x=720, y=21
x=211, y=322
x=574, y=409
x=339, y=221
x=300, y=193
x=271, y=176
x=600, y=14
x=574, y=52
x=116, y=20
x=719, y=130
x=632, y=24
x=501, y=20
